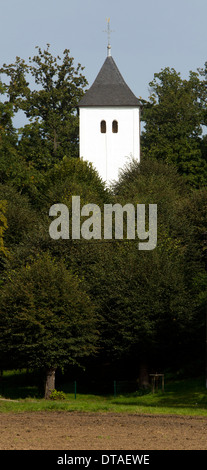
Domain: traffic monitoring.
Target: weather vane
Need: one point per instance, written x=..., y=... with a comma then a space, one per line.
x=108, y=31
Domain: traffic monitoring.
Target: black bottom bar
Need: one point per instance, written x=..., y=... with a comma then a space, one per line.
x=96, y=459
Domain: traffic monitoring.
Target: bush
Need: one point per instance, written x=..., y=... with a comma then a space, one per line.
x=55, y=395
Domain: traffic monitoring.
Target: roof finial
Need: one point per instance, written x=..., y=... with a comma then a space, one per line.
x=108, y=31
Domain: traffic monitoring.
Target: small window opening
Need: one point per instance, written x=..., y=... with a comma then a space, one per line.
x=115, y=127
x=103, y=127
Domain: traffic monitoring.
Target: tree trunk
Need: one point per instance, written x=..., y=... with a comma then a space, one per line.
x=49, y=382
x=143, y=375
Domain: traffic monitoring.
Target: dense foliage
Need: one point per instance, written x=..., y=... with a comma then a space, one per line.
x=71, y=303
x=173, y=119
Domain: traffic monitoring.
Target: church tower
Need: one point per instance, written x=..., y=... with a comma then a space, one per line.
x=109, y=115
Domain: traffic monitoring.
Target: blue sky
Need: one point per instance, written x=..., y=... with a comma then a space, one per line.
x=149, y=35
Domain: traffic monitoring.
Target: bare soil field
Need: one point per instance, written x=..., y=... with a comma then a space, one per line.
x=101, y=431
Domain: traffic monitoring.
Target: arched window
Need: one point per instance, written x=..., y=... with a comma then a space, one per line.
x=115, y=127
x=103, y=127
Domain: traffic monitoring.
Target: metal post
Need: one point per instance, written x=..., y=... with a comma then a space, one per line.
x=163, y=383
x=153, y=384
x=75, y=389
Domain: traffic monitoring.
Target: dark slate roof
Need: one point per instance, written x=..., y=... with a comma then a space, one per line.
x=109, y=88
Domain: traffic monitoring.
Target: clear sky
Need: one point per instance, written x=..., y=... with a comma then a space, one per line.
x=147, y=37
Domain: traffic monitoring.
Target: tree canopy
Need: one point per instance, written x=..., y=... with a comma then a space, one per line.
x=66, y=302
x=173, y=119
x=47, y=320
x=51, y=107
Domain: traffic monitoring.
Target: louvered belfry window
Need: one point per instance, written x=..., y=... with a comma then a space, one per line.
x=103, y=127
x=114, y=127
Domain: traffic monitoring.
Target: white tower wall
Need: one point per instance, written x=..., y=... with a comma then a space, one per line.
x=109, y=152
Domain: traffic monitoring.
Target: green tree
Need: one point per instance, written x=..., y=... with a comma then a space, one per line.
x=15, y=169
x=149, y=301
x=173, y=118
x=3, y=227
x=8, y=136
x=6, y=115
x=24, y=236
x=182, y=218
x=47, y=319
x=203, y=74
x=51, y=108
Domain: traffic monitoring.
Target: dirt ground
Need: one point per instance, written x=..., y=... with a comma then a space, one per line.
x=95, y=431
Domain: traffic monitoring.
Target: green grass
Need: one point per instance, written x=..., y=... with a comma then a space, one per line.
x=183, y=397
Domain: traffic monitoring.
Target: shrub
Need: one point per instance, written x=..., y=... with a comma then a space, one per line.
x=57, y=395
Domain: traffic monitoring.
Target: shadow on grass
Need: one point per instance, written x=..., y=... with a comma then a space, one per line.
x=180, y=394
x=189, y=393
x=20, y=384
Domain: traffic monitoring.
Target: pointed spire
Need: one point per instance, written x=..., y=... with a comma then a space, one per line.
x=109, y=88
x=108, y=31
